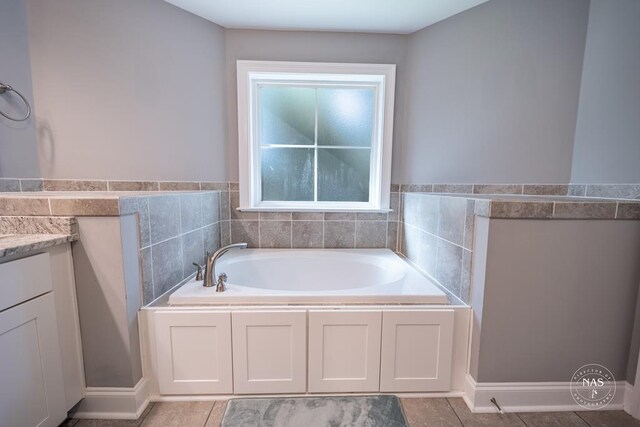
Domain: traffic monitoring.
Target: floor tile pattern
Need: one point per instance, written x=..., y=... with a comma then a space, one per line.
x=419, y=413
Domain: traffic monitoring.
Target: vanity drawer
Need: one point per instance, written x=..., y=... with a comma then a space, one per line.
x=23, y=279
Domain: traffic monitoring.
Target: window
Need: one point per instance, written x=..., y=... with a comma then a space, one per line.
x=315, y=136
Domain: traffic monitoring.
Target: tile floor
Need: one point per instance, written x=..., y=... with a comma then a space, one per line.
x=419, y=413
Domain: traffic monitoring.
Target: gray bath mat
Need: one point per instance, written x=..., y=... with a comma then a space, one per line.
x=352, y=411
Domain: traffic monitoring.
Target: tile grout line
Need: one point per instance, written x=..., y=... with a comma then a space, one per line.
x=583, y=420
x=386, y=233
x=355, y=232
x=454, y=412
x=147, y=414
x=215, y=402
x=520, y=418
x=437, y=236
x=179, y=235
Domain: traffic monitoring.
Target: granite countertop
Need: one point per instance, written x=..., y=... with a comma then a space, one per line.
x=23, y=234
x=18, y=244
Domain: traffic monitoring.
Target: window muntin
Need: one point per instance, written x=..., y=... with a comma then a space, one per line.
x=314, y=141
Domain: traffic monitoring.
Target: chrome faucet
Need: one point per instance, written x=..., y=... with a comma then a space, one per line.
x=210, y=266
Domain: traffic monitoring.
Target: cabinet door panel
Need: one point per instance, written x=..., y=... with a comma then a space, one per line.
x=344, y=351
x=194, y=353
x=31, y=385
x=269, y=351
x=416, y=350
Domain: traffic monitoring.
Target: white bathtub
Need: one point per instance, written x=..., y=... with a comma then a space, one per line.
x=313, y=276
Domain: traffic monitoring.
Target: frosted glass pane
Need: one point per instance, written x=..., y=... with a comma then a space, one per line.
x=287, y=115
x=343, y=175
x=345, y=117
x=287, y=174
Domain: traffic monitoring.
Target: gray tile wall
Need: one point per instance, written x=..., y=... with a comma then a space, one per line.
x=436, y=233
x=526, y=189
x=40, y=184
x=308, y=229
x=175, y=231
x=607, y=191
x=616, y=191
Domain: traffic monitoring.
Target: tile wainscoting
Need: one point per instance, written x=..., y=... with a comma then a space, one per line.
x=309, y=229
x=39, y=184
x=436, y=234
x=176, y=230
x=611, y=191
x=433, y=231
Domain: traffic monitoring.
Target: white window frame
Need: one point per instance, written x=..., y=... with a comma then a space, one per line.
x=253, y=73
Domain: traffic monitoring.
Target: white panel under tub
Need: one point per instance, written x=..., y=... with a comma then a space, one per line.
x=417, y=350
x=344, y=350
x=194, y=353
x=269, y=351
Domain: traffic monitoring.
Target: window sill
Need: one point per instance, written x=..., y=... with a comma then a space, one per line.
x=249, y=209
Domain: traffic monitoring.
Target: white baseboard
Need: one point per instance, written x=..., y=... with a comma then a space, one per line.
x=129, y=403
x=214, y=397
x=113, y=402
x=628, y=398
x=533, y=397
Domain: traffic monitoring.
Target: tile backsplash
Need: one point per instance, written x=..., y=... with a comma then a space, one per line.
x=40, y=184
x=175, y=231
x=436, y=234
x=617, y=191
x=433, y=231
x=308, y=229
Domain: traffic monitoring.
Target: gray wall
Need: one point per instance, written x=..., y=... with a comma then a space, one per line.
x=607, y=144
x=127, y=90
x=313, y=47
x=18, y=142
x=494, y=94
x=558, y=294
x=110, y=341
x=144, y=90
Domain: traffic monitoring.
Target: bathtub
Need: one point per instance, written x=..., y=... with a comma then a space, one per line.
x=313, y=276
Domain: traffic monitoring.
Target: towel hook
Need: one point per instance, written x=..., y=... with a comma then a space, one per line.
x=6, y=88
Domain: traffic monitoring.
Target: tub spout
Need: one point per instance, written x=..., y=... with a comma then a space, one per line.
x=210, y=268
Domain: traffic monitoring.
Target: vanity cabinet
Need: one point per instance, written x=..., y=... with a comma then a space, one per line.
x=344, y=351
x=194, y=352
x=417, y=350
x=270, y=351
x=32, y=390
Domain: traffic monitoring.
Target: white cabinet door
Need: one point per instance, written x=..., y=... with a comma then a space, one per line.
x=31, y=385
x=416, y=350
x=344, y=351
x=269, y=351
x=194, y=352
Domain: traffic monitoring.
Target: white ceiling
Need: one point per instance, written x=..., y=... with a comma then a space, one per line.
x=375, y=16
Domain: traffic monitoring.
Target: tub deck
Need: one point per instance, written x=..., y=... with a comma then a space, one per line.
x=382, y=278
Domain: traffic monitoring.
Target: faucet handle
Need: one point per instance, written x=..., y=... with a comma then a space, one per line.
x=223, y=277
x=199, y=271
